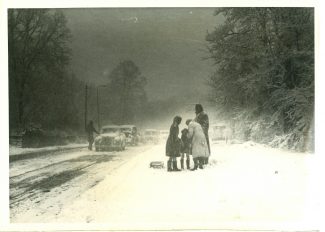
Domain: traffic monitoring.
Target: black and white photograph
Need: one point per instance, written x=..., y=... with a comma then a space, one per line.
x=161, y=118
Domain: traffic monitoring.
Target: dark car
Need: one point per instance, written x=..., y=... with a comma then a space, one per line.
x=111, y=138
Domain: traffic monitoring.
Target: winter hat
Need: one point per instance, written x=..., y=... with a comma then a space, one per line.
x=184, y=131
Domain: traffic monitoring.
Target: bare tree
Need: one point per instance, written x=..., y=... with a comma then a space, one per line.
x=37, y=43
x=127, y=91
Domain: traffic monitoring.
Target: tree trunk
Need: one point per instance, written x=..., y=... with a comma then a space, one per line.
x=21, y=100
x=21, y=108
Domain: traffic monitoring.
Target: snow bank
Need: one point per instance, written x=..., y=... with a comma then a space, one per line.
x=13, y=150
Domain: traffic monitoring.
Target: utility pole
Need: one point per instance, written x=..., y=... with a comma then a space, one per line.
x=98, y=115
x=98, y=123
x=86, y=105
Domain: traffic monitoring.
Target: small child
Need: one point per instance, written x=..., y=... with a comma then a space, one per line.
x=185, y=149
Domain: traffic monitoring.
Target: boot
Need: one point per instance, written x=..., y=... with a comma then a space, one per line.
x=175, y=166
x=182, y=163
x=206, y=160
x=188, y=163
x=169, y=166
x=201, y=162
x=196, y=164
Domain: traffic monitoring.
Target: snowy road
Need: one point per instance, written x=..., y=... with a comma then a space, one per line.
x=244, y=184
x=44, y=185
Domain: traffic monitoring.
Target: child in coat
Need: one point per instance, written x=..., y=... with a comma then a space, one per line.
x=173, y=145
x=185, y=149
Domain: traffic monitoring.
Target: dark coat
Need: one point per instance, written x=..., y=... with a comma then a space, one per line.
x=173, y=144
x=203, y=119
x=186, y=142
x=90, y=129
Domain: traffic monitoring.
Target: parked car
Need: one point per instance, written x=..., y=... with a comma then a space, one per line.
x=164, y=135
x=151, y=136
x=131, y=134
x=37, y=137
x=111, y=138
x=217, y=131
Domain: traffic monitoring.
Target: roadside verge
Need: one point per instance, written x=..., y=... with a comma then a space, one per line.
x=16, y=153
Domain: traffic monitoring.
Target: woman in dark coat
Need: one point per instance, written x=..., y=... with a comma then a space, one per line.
x=173, y=145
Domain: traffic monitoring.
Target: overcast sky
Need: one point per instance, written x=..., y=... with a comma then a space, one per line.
x=167, y=44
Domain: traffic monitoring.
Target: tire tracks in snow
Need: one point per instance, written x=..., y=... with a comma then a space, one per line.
x=62, y=181
x=47, y=177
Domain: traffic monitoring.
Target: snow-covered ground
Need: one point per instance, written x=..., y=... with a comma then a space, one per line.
x=245, y=186
x=42, y=186
x=14, y=150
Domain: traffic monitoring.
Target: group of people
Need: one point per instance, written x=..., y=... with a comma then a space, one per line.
x=194, y=141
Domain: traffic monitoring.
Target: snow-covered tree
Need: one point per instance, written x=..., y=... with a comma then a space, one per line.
x=264, y=61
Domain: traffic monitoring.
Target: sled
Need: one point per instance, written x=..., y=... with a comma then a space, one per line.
x=157, y=164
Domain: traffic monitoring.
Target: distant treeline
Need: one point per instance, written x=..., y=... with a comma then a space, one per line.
x=264, y=77
x=43, y=91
